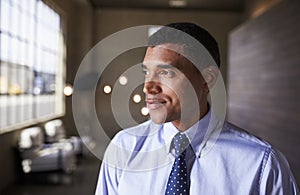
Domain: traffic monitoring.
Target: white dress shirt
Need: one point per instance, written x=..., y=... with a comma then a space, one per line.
x=229, y=161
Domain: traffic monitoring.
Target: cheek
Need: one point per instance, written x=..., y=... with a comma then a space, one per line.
x=188, y=94
x=175, y=93
x=179, y=90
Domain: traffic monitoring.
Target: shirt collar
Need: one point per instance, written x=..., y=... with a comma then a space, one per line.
x=195, y=133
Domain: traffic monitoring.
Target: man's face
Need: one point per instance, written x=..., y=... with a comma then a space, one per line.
x=173, y=86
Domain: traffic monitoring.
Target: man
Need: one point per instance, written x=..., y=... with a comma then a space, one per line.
x=186, y=148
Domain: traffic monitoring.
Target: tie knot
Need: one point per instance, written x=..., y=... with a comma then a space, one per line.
x=180, y=142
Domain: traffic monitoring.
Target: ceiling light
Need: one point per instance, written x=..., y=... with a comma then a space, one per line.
x=137, y=98
x=177, y=3
x=123, y=80
x=145, y=111
x=107, y=89
x=68, y=90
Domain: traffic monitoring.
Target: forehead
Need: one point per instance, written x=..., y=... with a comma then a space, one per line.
x=165, y=54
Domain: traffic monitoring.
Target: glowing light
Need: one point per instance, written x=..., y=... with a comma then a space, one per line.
x=137, y=98
x=145, y=111
x=68, y=90
x=177, y=3
x=37, y=90
x=107, y=89
x=123, y=80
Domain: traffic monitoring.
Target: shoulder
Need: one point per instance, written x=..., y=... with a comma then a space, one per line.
x=251, y=157
x=236, y=143
x=241, y=137
x=238, y=139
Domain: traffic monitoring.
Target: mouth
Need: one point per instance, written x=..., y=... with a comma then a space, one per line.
x=155, y=103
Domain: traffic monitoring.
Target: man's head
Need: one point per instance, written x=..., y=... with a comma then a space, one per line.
x=189, y=35
x=179, y=65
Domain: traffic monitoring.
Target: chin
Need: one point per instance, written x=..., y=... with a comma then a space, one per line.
x=158, y=118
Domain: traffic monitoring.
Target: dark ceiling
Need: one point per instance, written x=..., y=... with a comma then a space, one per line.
x=214, y=5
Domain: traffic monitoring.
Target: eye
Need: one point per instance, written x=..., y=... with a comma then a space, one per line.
x=167, y=73
x=145, y=72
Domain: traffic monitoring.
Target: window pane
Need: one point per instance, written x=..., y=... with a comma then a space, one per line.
x=23, y=53
x=15, y=20
x=24, y=6
x=38, y=60
x=24, y=30
x=55, y=41
x=56, y=22
x=41, y=11
x=4, y=76
x=16, y=3
x=31, y=29
x=4, y=47
x=31, y=54
x=31, y=6
x=15, y=51
x=5, y=15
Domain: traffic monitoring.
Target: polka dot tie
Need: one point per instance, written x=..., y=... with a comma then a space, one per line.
x=177, y=183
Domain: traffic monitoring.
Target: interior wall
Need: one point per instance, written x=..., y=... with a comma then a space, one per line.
x=254, y=8
x=218, y=24
x=8, y=166
x=263, y=78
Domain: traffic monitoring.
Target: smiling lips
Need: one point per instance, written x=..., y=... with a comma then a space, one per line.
x=155, y=103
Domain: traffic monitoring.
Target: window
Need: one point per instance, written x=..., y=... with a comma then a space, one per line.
x=31, y=63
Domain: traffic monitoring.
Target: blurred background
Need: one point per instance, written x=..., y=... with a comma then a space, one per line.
x=43, y=42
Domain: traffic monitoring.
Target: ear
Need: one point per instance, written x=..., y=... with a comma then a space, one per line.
x=210, y=75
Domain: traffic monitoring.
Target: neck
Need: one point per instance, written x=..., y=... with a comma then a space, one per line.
x=184, y=124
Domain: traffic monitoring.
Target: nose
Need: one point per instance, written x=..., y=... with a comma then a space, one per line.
x=152, y=87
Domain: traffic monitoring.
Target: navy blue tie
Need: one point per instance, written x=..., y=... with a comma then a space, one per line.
x=178, y=180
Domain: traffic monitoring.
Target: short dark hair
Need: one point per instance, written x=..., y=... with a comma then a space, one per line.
x=170, y=33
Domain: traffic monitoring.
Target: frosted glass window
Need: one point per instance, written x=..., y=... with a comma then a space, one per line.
x=30, y=62
x=31, y=54
x=56, y=39
x=15, y=20
x=31, y=6
x=38, y=61
x=41, y=11
x=31, y=30
x=5, y=15
x=4, y=47
x=24, y=6
x=56, y=23
x=24, y=30
x=14, y=51
x=23, y=53
x=16, y=3
x=39, y=39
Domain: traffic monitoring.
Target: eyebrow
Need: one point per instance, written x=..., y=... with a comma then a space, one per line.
x=166, y=66
x=162, y=66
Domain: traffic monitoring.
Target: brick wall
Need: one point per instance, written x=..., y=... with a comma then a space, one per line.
x=264, y=78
